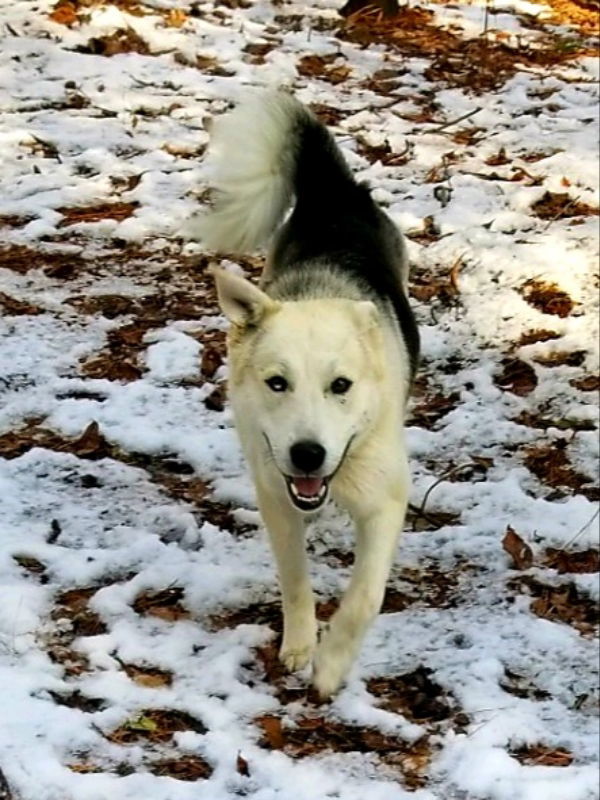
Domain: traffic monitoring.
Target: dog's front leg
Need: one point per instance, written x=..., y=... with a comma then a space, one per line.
x=376, y=538
x=287, y=533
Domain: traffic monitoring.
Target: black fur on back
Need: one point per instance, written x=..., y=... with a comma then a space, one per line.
x=336, y=222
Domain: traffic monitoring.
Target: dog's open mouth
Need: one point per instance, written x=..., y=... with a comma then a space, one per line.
x=307, y=494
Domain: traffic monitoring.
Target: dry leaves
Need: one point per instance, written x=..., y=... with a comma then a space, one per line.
x=155, y=725
x=547, y=298
x=518, y=550
x=150, y=677
x=553, y=206
x=182, y=768
x=517, y=376
x=117, y=211
x=578, y=562
x=550, y=463
x=324, y=67
x=563, y=603
x=540, y=755
x=164, y=604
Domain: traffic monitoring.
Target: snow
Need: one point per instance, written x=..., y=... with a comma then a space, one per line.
x=124, y=533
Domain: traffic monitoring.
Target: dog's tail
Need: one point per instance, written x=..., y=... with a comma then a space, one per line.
x=267, y=151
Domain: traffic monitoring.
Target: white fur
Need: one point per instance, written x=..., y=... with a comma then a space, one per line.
x=310, y=342
x=252, y=160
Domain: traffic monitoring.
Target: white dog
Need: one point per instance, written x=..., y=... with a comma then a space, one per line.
x=321, y=359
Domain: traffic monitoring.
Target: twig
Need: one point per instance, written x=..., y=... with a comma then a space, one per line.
x=447, y=474
x=582, y=529
x=443, y=127
x=454, y=273
x=561, y=211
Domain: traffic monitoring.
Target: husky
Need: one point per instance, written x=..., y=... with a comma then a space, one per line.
x=321, y=355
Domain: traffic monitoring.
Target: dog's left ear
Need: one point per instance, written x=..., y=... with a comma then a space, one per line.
x=242, y=302
x=368, y=315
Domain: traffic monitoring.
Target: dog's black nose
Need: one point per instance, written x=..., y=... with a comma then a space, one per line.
x=307, y=456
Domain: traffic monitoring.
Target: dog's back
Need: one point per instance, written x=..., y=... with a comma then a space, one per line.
x=272, y=152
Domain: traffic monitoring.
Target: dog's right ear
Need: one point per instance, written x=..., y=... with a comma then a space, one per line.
x=242, y=302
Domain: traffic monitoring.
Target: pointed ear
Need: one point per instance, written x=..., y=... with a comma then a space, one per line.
x=367, y=314
x=242, y=302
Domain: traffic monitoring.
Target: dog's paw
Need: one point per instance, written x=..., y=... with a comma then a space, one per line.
x=296, y=659
x=297, y=651
x=330, y=667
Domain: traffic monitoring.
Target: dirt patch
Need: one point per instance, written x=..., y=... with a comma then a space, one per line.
x=560, y=205
x=563, y=603
x=78, y=700
x=589, y=383
x=521, y=686
x=164, y=604
x=324, y=67
x=78, y=214
x=534, y=336
x=149, y=677
x=517, y=376
x=547, y=298
x=33, y=567
x=432, y=408
x=476, y=65
x=540, y=755
x=73, y=618
x=14, y=307
x=183, y=768
x=561, y=358
x=318, y=735
x=550, y=463
x=416, y=696
x=155, y=725
x=534, y=419
x=21, y=259
x=578, y=561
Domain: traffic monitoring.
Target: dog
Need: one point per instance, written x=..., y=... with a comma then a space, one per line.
x=322, y=355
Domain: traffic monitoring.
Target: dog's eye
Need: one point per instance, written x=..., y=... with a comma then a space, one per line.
x=340, y=385
x=277, y=383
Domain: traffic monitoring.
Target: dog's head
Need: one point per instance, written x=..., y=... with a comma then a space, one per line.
x=304, y=379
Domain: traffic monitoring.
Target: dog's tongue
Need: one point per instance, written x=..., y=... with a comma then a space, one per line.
x=308, y=487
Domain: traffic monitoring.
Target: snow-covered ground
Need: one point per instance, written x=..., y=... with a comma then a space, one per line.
x=479, y=682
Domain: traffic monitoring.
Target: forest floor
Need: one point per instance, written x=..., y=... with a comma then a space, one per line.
x=139, y=610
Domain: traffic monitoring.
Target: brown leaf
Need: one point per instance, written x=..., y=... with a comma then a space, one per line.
x=117, y=211
x=64, y=13
x=538, y=754
x=517, y=376
x=164, y=604
x=580, y=561
x=216, y=399
x=518, y=550
x=241, y=766
x=589, y=383
x=91, y=443
x=176, y=18
x=212, y=359
x=553, y=206
x=272, y=729
x=14, y=306
x=150, y=677
x=548, y=298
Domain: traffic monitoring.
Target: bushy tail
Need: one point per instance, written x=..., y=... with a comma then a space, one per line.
x=264, y=153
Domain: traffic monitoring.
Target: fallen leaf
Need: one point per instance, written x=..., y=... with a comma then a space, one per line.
x=517, y=376
x=540, y=755
x=241, y=766
x=518, y=550
x=579, y=562
x=271, y=727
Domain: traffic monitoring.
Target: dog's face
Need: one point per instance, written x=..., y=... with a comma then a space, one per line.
x=304, y=379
